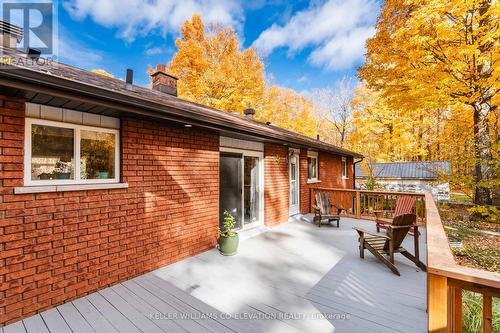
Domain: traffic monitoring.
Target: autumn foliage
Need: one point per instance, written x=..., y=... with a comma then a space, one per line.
x=214, y=71
x=428, y=89
x=433, y=71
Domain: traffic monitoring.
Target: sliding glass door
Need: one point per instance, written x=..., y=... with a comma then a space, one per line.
x=231, y=189
x=241, y=185
x=251, y=191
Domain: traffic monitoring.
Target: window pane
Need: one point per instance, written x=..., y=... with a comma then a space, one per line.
x=52, y=153
x=311, y=168
x=97, y=155
x=344, y=168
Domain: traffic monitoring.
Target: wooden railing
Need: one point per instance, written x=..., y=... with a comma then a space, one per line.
x=446, y=280
x=364, y=204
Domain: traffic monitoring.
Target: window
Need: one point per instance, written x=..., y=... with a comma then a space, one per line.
x=63, y=153
x=312, y=166
x=344, y=167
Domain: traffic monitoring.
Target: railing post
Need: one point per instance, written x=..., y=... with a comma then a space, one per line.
x=487, y=314
x=416, y=208
x=456, y=310
x=311, y=203
x=437, y=303
x=358, y=204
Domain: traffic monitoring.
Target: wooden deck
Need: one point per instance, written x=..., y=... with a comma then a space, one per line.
x=294, y=278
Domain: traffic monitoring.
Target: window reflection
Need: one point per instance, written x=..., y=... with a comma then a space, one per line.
x=52, y=153
x=97, y=155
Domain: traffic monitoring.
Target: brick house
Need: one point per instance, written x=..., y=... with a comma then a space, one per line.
x=102, y=180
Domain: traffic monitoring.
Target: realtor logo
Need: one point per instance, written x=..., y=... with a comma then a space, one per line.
x=34, y=20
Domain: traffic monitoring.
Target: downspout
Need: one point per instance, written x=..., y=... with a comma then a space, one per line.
x=354, y=172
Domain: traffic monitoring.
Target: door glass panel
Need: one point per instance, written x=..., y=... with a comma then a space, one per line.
x=251, y=190
x=293, y=181
x=231, y=187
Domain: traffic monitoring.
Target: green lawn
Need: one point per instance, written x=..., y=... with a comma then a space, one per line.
x=459, y=197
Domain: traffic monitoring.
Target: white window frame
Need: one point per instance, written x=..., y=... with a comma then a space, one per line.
x=313, y=155
x=77, y=133
x=344, y=167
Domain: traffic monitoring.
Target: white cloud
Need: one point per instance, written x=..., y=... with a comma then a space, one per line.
x=139, y=17
x=335, y=28
x=151, y=51
x=303, y=79
x=343, y=50
x=76, y=54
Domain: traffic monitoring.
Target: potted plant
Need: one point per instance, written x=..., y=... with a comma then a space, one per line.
x=228, y=238
x=62, y=170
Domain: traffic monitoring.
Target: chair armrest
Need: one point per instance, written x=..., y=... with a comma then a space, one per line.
x=364, y=231
x=338, y=208
x=402, y=226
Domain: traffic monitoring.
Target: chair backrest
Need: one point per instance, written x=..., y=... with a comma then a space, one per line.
x=398, y=235
x=323, y=202
x=404, y=205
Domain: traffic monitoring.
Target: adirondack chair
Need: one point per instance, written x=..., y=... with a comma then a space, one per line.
x=382, y=246
x=404, y=205
x=323, y=209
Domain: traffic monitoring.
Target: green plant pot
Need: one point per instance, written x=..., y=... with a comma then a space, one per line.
x=228, y=246
x=62, y=175
x=44, y=176
x=104, y=175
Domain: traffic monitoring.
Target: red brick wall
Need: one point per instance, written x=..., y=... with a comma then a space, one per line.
x=55, y=247
x=330, y=175
x=276, y=184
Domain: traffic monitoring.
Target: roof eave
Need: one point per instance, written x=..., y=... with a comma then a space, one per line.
x=22, y=78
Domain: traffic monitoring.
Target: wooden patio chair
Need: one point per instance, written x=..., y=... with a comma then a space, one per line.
x=404, y=205
x=323, y=209
x=384, y=247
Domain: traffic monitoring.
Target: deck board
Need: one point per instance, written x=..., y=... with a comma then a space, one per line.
x=74, y=318
x=17, y=327
x=115, y=317
x=98, y=322
x=35, y=324
x=139, y=319
x=293, y=269
x=55, y=322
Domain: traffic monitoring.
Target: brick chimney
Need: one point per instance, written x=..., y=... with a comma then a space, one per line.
x=164, y=82
x=10, y=35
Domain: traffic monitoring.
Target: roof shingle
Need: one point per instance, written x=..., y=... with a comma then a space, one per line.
x=63, y=76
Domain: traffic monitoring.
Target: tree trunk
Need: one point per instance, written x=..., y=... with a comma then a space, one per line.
x=482, y=146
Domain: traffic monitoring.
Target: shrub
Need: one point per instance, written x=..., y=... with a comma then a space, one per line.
x=227, y=230
x=472, y=313
x=489, y=213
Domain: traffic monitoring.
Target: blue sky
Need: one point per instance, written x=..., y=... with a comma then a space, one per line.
x=304, y=44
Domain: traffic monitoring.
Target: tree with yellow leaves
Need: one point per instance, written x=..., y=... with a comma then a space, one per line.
x=103, y=73
x=287, y=109
x=213, y=71
x=382, y=127
x=436, y=54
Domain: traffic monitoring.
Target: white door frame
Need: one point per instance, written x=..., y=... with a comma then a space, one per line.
x=260, y=155
x=294, y=154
